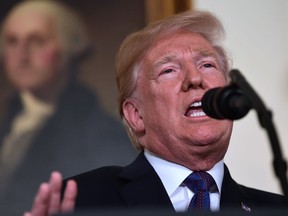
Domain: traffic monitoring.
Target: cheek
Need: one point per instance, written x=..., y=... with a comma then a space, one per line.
x=220, y=80
x=10, y=61
x=151, y=98
x=215, y=80
x=48, y=59
x=157, y=110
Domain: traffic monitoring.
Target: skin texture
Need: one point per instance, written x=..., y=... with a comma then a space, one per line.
x=32, y=53
x=176, y=72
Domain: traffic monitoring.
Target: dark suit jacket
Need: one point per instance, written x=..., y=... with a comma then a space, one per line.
x=80, y=136
x=138, y=186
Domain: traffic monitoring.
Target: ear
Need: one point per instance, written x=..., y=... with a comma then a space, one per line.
x=132, y=115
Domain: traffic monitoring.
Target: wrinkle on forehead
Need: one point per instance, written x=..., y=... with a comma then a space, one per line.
x=195, y=56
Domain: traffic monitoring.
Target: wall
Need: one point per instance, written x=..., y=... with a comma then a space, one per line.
x=257, y=33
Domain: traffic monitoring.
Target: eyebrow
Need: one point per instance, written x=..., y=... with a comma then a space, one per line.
x=205, y=53
x=165, y=59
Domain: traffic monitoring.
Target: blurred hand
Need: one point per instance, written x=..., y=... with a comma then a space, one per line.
x=48, y=198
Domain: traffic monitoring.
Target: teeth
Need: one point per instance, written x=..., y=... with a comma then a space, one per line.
x=196, y=114
x=196, y=104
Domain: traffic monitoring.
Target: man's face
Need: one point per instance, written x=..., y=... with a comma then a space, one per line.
x=175, y=74
x=31, y=51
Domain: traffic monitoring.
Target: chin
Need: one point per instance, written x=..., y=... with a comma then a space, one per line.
x=204, y=139
x=206, y=136
x=28, y=87
x=199, y=164
x=205, y=166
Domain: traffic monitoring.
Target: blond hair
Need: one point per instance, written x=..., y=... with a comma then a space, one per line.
x=136, y=45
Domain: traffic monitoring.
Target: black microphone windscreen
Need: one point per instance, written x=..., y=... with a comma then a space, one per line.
x=226, y=103
x=209, y=103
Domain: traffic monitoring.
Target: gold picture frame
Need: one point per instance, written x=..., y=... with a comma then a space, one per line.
x=159, y=9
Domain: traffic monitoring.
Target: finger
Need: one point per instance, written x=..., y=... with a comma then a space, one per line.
x=69, y=198
x=41, y=201
x=27, y=214
x=55, y=184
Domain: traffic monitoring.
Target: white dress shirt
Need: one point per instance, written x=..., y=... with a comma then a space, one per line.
x=172, y=175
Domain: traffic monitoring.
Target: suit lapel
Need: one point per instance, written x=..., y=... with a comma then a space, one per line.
x=232, y=195
x=143, y=187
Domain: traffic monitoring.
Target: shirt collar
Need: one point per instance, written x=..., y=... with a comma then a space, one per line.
x=172, y=174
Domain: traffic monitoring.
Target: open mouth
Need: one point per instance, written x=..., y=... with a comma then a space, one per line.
x=195, y=110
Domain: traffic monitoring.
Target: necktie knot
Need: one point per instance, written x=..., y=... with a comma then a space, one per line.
x=200, y=183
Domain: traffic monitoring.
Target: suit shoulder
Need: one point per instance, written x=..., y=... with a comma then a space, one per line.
x=101, y=174
x=97, y=187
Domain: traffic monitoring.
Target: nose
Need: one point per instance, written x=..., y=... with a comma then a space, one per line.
x=22, y=52
x=193, y=79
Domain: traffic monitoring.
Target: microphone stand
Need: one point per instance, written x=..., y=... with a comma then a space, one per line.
x=265, y=119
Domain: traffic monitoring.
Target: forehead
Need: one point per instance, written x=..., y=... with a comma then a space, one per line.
x=180, y=43
x=24, y=22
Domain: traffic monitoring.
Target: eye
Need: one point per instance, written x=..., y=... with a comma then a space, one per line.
x=169, y=70
x=208, y=65
x=10, y=41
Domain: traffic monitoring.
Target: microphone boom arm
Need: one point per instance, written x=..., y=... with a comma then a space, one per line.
x=265, y=120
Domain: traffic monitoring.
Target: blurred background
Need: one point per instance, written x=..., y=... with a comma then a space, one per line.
x=257, y=33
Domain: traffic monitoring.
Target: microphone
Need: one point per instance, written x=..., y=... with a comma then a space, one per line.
x=227, y=102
